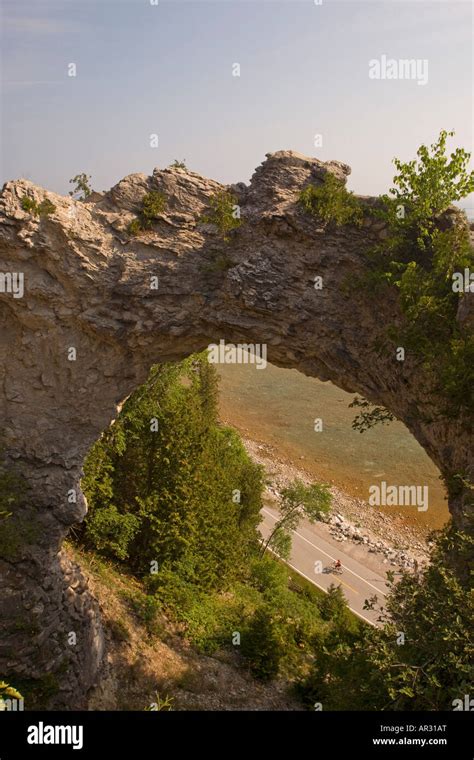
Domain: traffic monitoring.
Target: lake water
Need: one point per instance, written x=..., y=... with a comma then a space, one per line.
x=279, y=406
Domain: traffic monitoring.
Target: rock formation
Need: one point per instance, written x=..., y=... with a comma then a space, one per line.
x=92, y=320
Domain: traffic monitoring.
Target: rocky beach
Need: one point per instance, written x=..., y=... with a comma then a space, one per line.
x=390, y=540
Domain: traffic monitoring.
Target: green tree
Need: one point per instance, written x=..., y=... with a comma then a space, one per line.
x=425, y=247
x=297, y=501
x=167, y=484
x=424, y=188
x=82, y=188
x=370, y=416
x=262, y=646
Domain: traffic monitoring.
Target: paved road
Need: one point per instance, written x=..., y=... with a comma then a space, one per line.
x=357, y=581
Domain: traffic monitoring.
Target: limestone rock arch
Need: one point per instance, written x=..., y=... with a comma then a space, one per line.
x=87, y=287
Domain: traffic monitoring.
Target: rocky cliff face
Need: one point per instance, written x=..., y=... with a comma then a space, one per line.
x=92, y=321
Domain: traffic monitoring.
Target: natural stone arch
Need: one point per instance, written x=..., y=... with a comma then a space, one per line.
x=87, y=287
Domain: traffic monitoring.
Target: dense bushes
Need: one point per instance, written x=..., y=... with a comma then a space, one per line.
x=272, y=626
x=167, y=487
x=331, y=202
x=421, y=659
x=174, y=497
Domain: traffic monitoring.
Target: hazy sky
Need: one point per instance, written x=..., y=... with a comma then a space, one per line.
x=166, y=69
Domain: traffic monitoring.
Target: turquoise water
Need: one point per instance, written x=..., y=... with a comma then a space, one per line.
x=279, y=407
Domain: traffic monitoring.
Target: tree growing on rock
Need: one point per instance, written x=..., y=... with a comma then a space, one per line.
x=82, y=188
x=297, y=501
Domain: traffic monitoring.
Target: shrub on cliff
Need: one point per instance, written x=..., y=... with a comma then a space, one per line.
x=331, y=202
x=152, y=206
x=34, y=208
x=223, y=213
x=82, y=188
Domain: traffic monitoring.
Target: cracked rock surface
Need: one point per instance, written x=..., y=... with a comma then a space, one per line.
x=90, y=324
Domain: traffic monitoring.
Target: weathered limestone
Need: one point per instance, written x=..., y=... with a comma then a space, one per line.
x=87, y=288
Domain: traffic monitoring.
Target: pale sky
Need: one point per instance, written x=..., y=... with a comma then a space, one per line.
x=166, y=69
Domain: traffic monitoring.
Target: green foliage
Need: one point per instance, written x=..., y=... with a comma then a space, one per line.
x=159, y=704
x=179, y=164
x=333, y=608
x=331, y=202
x=147, y=482
x=211, y=618
x=433, y=609
x=82, y=188
x=261, y=645
x=29, y=205
x=112, y=532
x=174, y=497
x=134, y=227
x=146, y=607
x=419, y=258
x=424, y=188
x=37, y=209
x=46, y=207
x=297, y=501
x=371, y=416
x=153, y=205
x=208, y=618
x=223, y=213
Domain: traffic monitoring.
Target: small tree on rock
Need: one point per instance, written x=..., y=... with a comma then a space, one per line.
x=297, y=501
x=82, y=188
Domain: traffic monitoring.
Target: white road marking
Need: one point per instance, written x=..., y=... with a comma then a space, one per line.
x=311, y=580
x=328, y=555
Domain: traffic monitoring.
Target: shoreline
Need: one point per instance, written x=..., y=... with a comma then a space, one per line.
x=392, y=541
